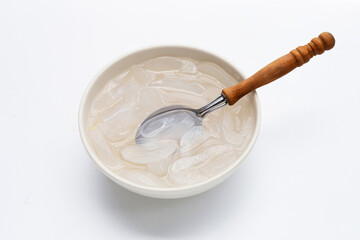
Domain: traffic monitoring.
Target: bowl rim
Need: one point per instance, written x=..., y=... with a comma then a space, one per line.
x=112, y=175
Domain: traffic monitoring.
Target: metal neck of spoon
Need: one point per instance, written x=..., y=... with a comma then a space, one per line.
x=213, y=105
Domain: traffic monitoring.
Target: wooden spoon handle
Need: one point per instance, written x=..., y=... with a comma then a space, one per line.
x=280, y=67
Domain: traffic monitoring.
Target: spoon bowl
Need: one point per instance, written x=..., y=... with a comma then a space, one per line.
x=171, y=122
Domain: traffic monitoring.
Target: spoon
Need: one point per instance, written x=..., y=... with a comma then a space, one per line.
x=172, y=121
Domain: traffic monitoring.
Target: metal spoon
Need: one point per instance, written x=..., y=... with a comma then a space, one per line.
x=172, y=121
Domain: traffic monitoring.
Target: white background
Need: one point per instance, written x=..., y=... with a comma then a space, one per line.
x=301, y=180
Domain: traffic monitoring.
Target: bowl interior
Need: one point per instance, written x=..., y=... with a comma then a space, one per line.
x=123, y=63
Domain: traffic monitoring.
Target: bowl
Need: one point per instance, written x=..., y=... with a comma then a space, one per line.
x=124, y=62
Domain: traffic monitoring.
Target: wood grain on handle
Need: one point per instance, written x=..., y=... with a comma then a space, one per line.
x=280, y=67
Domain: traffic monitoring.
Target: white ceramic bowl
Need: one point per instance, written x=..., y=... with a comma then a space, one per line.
x=121, y=64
